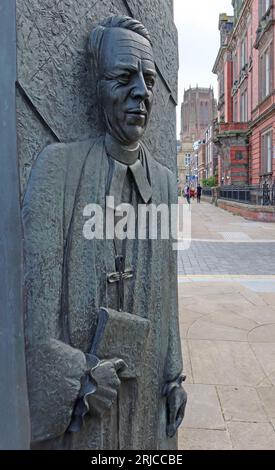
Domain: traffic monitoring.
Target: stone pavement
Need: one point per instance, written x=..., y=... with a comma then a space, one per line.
x=227, y=323
x=223, y=243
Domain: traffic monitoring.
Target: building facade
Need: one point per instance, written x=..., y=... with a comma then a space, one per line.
x=201, y=162
x=198, y=110
x=184, y=163
x=207, y=155
x=211, y=156
x=245, y=133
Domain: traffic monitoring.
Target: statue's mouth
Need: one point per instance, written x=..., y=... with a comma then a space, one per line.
x=137, y=112
x=137, y=119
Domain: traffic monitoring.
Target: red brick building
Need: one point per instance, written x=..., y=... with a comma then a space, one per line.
x=245, y=66
x=207, y=155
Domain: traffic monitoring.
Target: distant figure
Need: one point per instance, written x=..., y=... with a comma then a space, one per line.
x=192, y=193
x=184, y=191
x=187, y=193
x=199, y=189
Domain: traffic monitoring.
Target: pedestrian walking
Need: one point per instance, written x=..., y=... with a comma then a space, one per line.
x=192, y=193
x=199, y=189
x=188, y=194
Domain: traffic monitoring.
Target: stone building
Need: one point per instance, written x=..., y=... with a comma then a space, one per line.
x=211, y=156
x=201, y=162
x=207, y=155
x=184, y=163
x=198, y=110
x=245, y=69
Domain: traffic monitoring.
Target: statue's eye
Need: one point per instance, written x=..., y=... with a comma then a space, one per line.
x=124, y=78
x=150, y=81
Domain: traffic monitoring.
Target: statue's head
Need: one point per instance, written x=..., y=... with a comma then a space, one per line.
x=123, y=56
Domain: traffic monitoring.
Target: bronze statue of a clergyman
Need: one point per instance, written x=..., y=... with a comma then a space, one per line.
x=102, y=335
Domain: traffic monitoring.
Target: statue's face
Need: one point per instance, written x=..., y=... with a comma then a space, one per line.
x=127, y=79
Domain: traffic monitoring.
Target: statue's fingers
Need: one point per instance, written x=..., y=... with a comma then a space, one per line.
x=119, y=365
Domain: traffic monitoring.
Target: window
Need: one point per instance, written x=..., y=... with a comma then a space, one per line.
x=187, y=159
x=263, y=7
x=243, y=110
x=265, y=78
x=266, y=152
x=267, y=72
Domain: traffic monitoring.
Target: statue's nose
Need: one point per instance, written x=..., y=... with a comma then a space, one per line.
x=140, y=89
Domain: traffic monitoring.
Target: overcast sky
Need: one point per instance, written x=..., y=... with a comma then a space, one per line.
x=199, y=41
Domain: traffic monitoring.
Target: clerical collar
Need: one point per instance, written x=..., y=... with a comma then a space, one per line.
x=119, y=152
x=138, y=168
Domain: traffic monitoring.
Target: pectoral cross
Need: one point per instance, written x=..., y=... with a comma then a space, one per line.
x=119, y=277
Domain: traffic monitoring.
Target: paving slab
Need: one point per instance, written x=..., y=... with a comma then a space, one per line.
x=204, y=439
x=267, y=395
x=262, y=334
x=203, y=410
x=272, y=378
x=187, y=315
x=253, y=296
x=269, y=299
x=252, y=436
x=203, y=329
x=232, y=319
x=187, y=362
x=266, y=382
x=265, y=354
x=241, y=404
x=260, y=314
x=224, y=363
x=207, y=288
x=233, y=236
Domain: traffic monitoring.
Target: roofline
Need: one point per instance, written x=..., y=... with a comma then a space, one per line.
x=223, y=48
x=246, y=2
x=220, y=54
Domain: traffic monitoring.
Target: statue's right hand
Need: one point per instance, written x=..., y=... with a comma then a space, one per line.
x=106, y=377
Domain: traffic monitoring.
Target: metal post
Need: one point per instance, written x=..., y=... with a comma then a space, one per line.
x=14, y=413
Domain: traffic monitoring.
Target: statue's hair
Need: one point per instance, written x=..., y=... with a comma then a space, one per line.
x=97, y=34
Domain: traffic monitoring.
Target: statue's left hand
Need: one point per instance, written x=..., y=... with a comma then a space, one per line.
x=176, y=403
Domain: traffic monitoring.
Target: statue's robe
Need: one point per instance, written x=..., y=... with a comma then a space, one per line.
x=66, y=285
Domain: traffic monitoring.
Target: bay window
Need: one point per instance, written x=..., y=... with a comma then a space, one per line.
x=266, y=76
